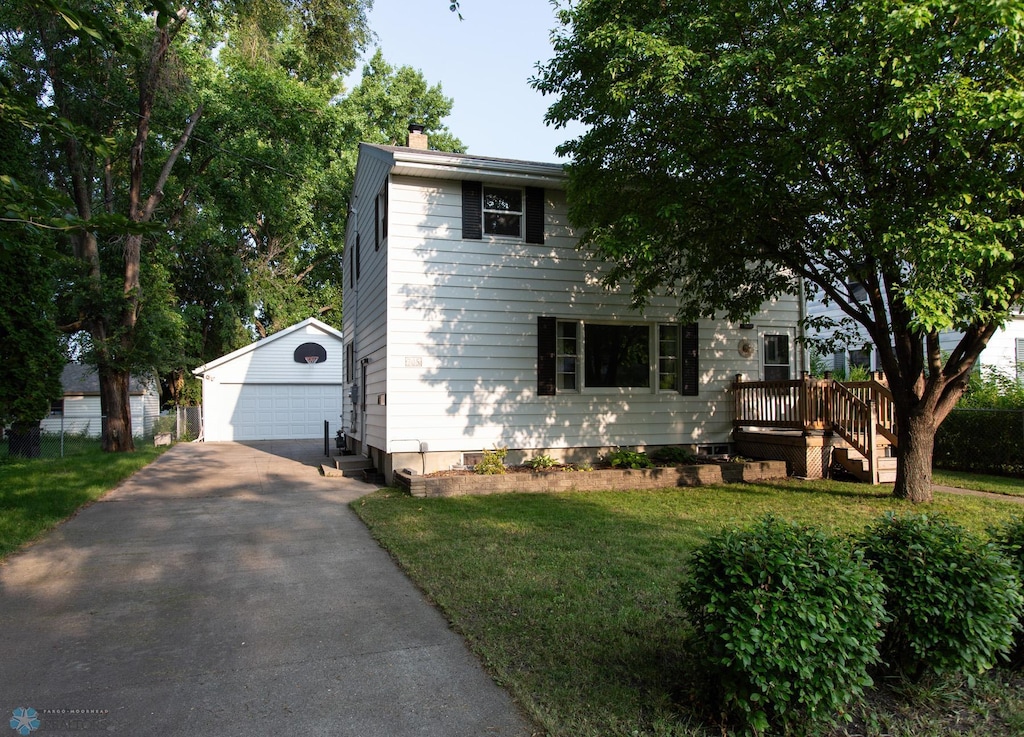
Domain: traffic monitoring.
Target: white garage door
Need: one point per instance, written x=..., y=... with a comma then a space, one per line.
x=271, y=411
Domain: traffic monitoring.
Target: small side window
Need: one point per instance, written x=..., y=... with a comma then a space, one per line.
x=567, y=354
x=380, y=212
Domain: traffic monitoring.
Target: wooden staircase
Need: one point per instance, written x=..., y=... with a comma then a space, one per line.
x=854, y=463
x=860, y=413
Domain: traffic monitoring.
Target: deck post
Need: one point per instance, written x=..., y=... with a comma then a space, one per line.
x=804, y=402
x=873, y=440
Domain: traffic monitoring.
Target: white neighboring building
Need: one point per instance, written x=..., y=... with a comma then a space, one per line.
x=78, y=410
x=282, y=387
x=472, y=321
x=1004, y=352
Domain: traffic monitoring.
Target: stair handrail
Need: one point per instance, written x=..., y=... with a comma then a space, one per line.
x=851, y=417
x=878, y=392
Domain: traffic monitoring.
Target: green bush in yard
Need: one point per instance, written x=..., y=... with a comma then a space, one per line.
x=1009, y=539
x=787, y=621
x=625, y=458
x=673, y=454
x=954, y=600
x=493, y=463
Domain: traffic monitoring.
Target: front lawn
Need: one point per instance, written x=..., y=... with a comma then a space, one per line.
x=571, y=599
x=37, y=494
x=979, y=482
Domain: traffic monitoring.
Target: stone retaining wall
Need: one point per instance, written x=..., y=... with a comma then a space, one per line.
x=602, y=480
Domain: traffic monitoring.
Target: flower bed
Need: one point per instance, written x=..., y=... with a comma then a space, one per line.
x=466, y=484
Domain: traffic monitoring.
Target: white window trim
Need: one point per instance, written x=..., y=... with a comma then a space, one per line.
x=521, y=213
x=653, y=358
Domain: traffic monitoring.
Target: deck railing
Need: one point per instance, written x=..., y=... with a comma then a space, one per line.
x=858, y=411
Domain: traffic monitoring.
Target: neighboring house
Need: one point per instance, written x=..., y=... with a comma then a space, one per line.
x=78, y=410
x=1004, y=352
x=473, y=321
x=282, y=387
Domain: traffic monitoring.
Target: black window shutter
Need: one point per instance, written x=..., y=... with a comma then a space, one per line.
x=546, y=364
x=472, y=210
x=376, y=224
x=690, y=371
x=534, y=215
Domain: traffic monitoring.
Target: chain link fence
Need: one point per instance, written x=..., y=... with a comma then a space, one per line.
x=981, y=440
x=63, y=437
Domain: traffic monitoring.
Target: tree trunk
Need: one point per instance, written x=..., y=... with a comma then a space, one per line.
x=914, y=466
x=116, y=408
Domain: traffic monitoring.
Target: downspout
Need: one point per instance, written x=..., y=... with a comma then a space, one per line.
x=352, y=226
x=801, y=331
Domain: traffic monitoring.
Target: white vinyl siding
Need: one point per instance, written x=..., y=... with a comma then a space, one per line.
x=365, y=302
x=82, y=414
x=462, y=338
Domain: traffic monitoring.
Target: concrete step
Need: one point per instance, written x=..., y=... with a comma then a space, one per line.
x=357, y=467
x=329, y=469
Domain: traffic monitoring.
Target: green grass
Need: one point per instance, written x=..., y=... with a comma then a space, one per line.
x=979, y=482
x=37, y=494
x=571, y=599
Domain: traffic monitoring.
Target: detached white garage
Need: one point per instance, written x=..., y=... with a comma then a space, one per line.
x=280, y=388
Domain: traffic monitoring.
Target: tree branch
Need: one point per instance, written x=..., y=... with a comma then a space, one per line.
x=165, y=172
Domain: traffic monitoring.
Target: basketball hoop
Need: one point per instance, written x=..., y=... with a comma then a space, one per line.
x=312, y=359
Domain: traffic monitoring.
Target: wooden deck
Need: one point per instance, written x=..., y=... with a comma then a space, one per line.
x=852, y=423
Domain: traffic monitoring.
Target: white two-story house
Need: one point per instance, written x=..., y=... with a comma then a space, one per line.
x=472, y=321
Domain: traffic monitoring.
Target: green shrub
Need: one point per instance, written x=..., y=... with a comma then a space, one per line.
x=674, y=454
x=623, y=458
x=493, y=462
x=954, y=600
x=981, y=440
x=992, y=388
x=541, y=461
x=1009, y=539
x=787, y=621
x=165, y=423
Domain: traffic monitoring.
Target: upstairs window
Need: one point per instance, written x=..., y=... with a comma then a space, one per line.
x=502, y=212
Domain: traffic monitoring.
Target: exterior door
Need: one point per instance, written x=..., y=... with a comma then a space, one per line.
x=776, y=356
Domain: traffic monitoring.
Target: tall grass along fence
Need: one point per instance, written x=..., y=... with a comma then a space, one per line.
x=71, y=436
x=982, y=440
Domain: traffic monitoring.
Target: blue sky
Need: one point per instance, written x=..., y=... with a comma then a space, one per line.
x=484, y=63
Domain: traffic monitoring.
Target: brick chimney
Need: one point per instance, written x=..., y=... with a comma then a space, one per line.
x=417, y=138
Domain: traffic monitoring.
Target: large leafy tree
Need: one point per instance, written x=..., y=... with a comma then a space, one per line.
x=116, y=92
x=735, y=148
x=260, y=244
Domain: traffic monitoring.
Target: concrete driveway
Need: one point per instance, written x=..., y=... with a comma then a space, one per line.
x=227, y=589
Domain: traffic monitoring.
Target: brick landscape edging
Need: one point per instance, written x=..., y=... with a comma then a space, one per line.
x=602, y=480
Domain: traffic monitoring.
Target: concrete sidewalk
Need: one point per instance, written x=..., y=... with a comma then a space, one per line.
x=228, y=589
